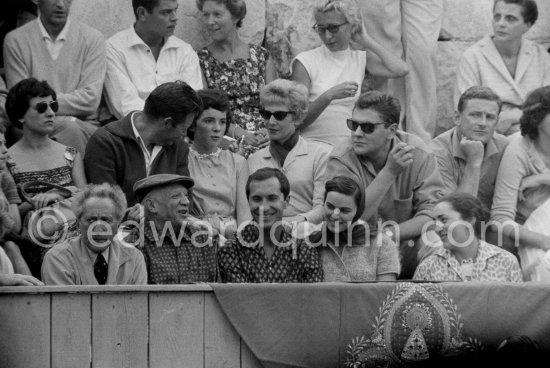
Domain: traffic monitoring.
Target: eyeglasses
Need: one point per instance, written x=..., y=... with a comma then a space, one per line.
x=366, y=126
x=332, y=28
x=41, y=107
x=279, y=115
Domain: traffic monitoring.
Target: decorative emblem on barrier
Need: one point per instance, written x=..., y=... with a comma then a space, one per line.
x=415, y=323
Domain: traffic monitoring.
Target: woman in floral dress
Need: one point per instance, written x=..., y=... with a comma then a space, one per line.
x=237, y=68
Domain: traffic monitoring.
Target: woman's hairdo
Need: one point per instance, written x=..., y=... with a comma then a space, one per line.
x=20, y=96
x=535, y=109
x=237, y=8
x=348, y=8
x=292, y=94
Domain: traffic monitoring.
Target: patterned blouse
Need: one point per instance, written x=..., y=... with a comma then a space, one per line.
x=60, y=175
x=296, y=262
x=186, y=259
x=491, y=264
x=242, y=80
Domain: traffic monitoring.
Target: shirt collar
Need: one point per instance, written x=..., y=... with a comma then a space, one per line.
x=135, y=40
x=214, y=154
x=62, y=36
x=484, y=253
x=300, y=149
x=93, y=255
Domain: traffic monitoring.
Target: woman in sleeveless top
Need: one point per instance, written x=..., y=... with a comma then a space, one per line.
x=240, y=69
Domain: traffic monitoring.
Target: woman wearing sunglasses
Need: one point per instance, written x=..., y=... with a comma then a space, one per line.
x=459, y=221
x=333, y=72
x=349, y=250
x=31, y=105
x=284, y=105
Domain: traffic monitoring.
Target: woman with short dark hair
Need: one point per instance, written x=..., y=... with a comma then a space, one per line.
x=521, y=203
x=219, y=175
x=464, y=256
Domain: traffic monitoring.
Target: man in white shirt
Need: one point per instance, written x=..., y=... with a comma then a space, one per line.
x=147, y=55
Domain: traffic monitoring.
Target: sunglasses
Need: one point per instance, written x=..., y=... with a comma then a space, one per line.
x=366, y=127
x=332, y=28
x=279, y=115
x=41, y=107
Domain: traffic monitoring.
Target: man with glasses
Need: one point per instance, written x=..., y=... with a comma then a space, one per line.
x=146, y=55
x=397, y=169
x=144, y=142
x=71, y=57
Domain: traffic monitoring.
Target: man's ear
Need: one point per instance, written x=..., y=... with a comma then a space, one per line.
x=457, y=118
x=150, y=205
x=392, y=129
x=286, y=202
x=141, y=13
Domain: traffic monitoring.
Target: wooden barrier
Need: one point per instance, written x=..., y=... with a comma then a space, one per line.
x=117, y=326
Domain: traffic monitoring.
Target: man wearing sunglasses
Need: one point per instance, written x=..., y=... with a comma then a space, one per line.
x=70, y=56
x=398, y=171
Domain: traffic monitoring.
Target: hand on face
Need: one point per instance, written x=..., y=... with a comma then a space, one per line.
x=473, y=150
x=399, y=158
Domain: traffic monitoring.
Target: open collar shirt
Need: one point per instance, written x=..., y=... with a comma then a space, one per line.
x=242, y=259
x=54, y=47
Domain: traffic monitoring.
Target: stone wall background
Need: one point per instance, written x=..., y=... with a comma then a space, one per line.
x=287, y=25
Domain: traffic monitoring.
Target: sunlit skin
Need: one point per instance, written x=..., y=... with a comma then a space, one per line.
x=170, y=204
x=162, y=20
x=376, y=143
x=267, y=202
x=279, y=130
x=218, y=20
x=340, y=40
x=39, y=123
x=340, y=210
x=209, y=130
x=98, y=223
x=478, y=120
x=3, y=151
x=508, y=23
x=452, y=229
x=54, y=13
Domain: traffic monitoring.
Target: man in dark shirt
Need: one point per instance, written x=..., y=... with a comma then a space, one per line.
x=264, y=250
x=176, y=250
x=145, y=142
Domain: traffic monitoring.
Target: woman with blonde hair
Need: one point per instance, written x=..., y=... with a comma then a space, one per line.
x=284, y=106
x=334, y=72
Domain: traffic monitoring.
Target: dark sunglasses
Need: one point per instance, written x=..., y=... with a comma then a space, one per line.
x=41, y=107
x=332, y=28
x=279, y=115
x=366, y=127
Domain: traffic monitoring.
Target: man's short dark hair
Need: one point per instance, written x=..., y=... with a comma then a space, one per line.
x=20, y=95
x=149, y=5
x=387, y=106
x=212, y=99
x=529, y=9
x=267, y=173
x=478, y=93
x=174, y=100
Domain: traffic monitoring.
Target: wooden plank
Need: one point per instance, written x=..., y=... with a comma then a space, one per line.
x=120, y=330
x=24, y=331
x=71, y=330
x=248, y=359
x=87, y=289
x=222, y=345
x=176, y=329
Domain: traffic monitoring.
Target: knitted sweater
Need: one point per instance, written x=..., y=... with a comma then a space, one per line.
x=113, y=155
x=77, y=74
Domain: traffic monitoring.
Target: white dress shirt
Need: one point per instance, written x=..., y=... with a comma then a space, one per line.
x=54, y=47
x=133, y=72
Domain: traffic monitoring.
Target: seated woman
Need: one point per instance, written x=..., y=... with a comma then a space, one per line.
x=521, y=204
x=333, y=72
x=460, y=219
x=31, y=105
x=348, y=250
x=284, y=105
x=230, y=64
x=220, y=175
x=506, y=62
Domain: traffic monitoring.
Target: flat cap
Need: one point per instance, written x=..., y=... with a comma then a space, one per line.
x=145, y=185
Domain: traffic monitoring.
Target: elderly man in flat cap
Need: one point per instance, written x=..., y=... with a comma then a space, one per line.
x=176, y=250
